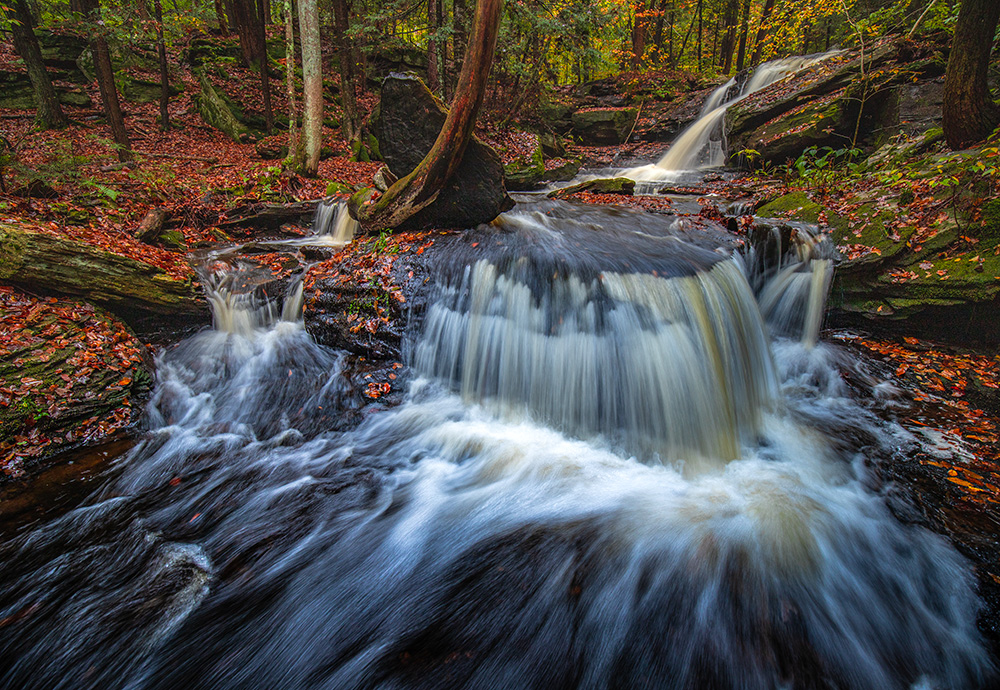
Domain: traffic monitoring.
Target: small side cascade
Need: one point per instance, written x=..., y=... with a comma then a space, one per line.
x=240, y=301
x=703, y=143
x=333, y=225
x=791, y=268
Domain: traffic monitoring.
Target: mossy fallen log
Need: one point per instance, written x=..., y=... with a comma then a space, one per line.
x=132, y=289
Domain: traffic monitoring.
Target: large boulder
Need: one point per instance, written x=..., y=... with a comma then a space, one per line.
x=406, y=125
x=603, y=126
x=217, y=111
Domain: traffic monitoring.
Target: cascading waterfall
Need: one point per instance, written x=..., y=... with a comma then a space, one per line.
x=333, y=224
x=605, y=475
x=703, y=143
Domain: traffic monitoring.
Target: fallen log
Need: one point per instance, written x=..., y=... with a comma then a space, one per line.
x=270, y=216
x=131, y=289
x=151, y=227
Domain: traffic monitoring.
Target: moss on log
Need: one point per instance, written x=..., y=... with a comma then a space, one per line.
x=54, y=265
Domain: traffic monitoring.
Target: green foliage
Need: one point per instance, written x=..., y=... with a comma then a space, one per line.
x=821, y=166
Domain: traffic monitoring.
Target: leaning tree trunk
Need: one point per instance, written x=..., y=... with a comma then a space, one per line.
x=970, y=114
x=161, y=49
x=49, y=113
x=758, y=43
x=421, y=187
x=106, y=80
x=744, y=30
x=312, y=85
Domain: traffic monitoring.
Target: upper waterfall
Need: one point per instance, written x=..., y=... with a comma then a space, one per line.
x=703, y=143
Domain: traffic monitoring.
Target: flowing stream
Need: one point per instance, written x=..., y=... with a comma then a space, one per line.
x=625, y=460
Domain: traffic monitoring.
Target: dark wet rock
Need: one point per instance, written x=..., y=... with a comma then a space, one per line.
x=271, y=149
x=406, y=125
x=603, y=126
x=62, y=53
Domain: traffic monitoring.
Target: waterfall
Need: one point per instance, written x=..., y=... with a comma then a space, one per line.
x=333, y=225
x=623, y=460
x=703, y=143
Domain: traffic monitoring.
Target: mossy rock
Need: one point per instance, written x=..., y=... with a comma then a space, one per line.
x=16, y=93
x=604, y=126
x=208, y=49
x=143, y=90
x=526, y=172
x=335, y=188
x=216, y=111
x=611, y=185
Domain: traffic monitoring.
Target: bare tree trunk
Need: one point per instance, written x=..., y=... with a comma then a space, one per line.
x=970, y=114
x=161, y=49
x=433, y=71
x=106, y=80
x=220, y=15
x=731, y=18
x=312, y=85
x=761, y=31
x=350, y=123
x=294, y=158
x=48, y=114
x=263, y=13
x=744, y=30
x=700, y=28
x=420, y=188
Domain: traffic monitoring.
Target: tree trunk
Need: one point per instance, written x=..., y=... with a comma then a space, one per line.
x=312, y=85
x=700, y=28
x=744, y=30
x=106, y=80
x=761, y=31
x=48, y=114
x=294, y=158
x=350, y=123
x=161, y=49
x=433, y=71
x=220, y=15
x=731, y=18
x=460, y=33
x=263, y=12
x=970, y=114
x=420, y=188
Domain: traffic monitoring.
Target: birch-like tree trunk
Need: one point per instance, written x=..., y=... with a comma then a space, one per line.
x=312, y=85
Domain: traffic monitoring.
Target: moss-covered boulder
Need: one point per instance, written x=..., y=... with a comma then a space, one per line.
x=140, y=90
x=17, y=93
x=611, y=185
x=932, y=282
x=61, y=54
x=603, y=126
x=217, y=111
x=526, y=172
x=408, y=121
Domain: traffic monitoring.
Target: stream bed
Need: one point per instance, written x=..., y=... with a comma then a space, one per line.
x=625, y=459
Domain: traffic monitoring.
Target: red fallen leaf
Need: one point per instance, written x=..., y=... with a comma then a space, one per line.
x=175, y=481
x=125, y=381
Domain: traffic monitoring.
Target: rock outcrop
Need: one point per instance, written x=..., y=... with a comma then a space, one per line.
x=406, y=125
x=830, y=104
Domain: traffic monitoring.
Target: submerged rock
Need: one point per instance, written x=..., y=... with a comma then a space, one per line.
x=406, y=125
